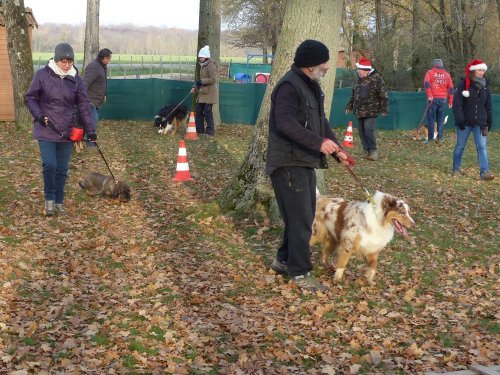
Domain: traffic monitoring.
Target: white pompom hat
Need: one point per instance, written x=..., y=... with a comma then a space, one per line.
x=204, y=52
x=473, y=65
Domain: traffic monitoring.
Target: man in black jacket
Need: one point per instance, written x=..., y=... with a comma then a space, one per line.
x=299, y=140
x=94, y=79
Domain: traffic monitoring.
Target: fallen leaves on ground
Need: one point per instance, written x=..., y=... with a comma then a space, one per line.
x=168, y=284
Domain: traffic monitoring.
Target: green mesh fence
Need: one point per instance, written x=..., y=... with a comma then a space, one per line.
x=140, y=99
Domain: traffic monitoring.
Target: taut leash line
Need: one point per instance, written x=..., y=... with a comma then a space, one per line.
x=178, y=105
x=103, y=158
x=367, y=193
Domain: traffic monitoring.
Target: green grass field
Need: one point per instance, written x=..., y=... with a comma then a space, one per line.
x=137, y=59
x=168, y=283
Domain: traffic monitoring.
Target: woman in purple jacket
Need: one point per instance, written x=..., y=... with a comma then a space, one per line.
x=55, y=92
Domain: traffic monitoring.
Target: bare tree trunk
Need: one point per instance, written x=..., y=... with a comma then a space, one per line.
x=20, y=58
x=264, y=55
x=91, y=46
x=415, y=42
x=209, y=34
x=348, y=32
x=250, y=193
x=498, y=10
x=378, y=25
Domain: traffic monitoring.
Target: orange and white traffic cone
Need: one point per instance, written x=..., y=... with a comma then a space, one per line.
x=348, y=139
x=191, y=130
x=182, y=172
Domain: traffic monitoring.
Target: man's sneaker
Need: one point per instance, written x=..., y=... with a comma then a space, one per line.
x=279, y=267
x=60, y=210
x=458, y=173
x=373, y=155
x=487, y=176
x=50, y=208
x=308, y=282
x=440, y=141
x=426, y=142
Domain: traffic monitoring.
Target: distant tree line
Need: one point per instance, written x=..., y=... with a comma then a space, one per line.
x=401, y=37
x=128, y=39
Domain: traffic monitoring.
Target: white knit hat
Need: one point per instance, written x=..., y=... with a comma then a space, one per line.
x=204, y=52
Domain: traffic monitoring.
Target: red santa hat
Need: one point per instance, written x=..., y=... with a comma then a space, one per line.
x=473, y=65
x=364, y=64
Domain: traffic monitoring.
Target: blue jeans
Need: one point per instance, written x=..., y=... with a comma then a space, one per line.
x=94, y=111
x=435, y=113
x=481, y=148
x=55, y=160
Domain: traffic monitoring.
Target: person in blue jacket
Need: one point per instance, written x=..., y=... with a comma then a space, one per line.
x=472, y=107
x=52, y=99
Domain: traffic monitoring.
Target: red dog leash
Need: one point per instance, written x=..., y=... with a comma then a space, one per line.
x=367, y=193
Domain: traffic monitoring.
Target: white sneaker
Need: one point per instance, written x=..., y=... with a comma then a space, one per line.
x=50, y=208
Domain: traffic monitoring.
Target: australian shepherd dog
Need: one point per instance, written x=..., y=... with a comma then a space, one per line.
x=358, y=228
x=170, y=117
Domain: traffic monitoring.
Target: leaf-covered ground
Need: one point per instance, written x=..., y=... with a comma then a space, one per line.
x=168, y=284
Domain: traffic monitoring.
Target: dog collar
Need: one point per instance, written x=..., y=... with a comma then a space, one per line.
x=369, y=198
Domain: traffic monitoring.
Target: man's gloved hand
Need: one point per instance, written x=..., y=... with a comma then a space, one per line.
x=43, y=120
x=484, y=132
x=92, y=137
x=461, y=126
x=343, y=157
x=197, y=83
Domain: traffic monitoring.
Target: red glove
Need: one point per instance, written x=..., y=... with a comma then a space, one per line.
x=350, y=159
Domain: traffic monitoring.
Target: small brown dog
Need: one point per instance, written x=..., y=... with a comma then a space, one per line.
x=421, y=133
x=96, y=183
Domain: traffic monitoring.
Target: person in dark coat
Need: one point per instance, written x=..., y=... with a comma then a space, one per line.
x=300, y=137
x=472, y=107
x=95, y=80
x=368, y=100
x=55, y=92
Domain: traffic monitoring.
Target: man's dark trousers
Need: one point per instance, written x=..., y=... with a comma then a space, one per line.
x=295, y=192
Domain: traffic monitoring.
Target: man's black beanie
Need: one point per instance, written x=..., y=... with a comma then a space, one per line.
x=311, y=53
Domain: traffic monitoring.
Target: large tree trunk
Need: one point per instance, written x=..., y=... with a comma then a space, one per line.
x=21, y=61
x=250, y=192
x=209, y=34
x=91, y=46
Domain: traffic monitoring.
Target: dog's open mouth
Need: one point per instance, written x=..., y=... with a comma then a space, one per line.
x=400, y=228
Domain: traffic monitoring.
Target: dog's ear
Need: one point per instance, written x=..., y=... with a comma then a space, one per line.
x=124, y=192
x=116, y=190
x=389, y=203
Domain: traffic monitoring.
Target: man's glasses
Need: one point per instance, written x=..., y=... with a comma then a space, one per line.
x=66, y=62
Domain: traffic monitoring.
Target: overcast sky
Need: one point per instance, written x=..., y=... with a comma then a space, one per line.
x=162, y=13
